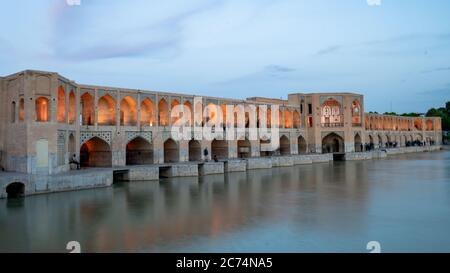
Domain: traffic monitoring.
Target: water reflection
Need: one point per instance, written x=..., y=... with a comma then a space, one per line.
x=402, y=201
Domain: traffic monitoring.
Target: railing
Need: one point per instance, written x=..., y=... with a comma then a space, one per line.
x=336, y=124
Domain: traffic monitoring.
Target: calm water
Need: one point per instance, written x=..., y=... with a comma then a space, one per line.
x=403, y=202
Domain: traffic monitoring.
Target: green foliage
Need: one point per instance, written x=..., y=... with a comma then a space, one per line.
x=443, y=113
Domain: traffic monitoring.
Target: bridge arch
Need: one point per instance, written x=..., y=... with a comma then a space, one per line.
x=195, y=150
x=333, y=143
x=358, y=143
x=219, y=149
x=171, y=151
x=139, y=152
x=15, y=190
x=285, y=145
x=95, y=153
x=302, y=146
x=244, y=148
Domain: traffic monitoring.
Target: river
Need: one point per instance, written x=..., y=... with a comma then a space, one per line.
x=402, y=202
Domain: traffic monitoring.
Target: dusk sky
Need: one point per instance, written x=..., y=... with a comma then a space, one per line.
x=397, y=53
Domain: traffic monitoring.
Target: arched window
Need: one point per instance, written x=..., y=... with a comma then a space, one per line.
x=61, y=114
x=106, y=110
x=128, y=111
x=87, y=109
x=21, y=109
x=147, y=113
x=163, y=112
x=13, y=112
x=72, y=107
x=42, y=109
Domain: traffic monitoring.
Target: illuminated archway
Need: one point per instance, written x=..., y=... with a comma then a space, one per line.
x=61, y=111
x=87, y=109
x=106, y=110
x=95, y=153
x=42, y=110
x=128, y=112
x=163, y=113
x=72, y=108
x=147, y=113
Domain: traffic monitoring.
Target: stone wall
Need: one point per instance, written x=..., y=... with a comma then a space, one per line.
x=211, y=168
x=235, y=165
x=259, y=163
x=282, y=161
x=143, y=173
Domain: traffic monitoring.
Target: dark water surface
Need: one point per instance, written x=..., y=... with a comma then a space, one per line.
x=403, y=202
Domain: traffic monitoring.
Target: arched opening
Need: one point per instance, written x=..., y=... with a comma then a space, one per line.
x=147, y=112
x=429, y=125
x=163, y=114
x=72, y=149
x=262, y=151
x=106, y=111
x=139, y=152
x=244, y=148
x=198, y=114
x=356, y=113
x=332, y=143
x=269, y=117
x=128, y=112
x=301, y=144
x=21, y=109
x=72, y=107
x=61, y=112
x=190, y=119
x=174, y=119
x=15, y=190
x=171, y=153
x=195, y=150
x=87, y=109
x=95, y=153
x=13, y=112
x=42, y=110
x=358, y=144
x=219, y=149
x=418, y=124
x=280, y=119
x=296, y=119
x=287, y=119
x=285, y=145
x=332, y=114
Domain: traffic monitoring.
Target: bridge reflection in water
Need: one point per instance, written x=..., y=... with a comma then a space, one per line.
x=322, y=207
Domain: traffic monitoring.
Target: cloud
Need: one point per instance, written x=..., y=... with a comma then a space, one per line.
x=439, y=69
x=329, y=50
x=278, y=69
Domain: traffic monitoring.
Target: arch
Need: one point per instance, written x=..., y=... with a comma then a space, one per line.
x=244, y=148
x=262, y=152
x=429, y=125
x=61, y=111
x=174, y=119
x=358, y=143
x=301, y=144
x=285, y=145
x=332, y=143
x=195, y=150
x=296, y=121
x=287, y=119
x=139, y=152
x=171, y=153
x=190, y=119
x=13, y=112
x=95, y=153
x=380, y=141
x=269, y=117
x=147, y=112
x=72, y=149
x=219, y=149
x=418, y=124
x=87, y=109
x=42, y=109
x=163, y=113
x=21, y=109
x=356, y=113
x=280, y=119
x=198, y=113
x=106, y=110
x=128, y=111
x=72, y=107
x=332, y=114
x=15, y=190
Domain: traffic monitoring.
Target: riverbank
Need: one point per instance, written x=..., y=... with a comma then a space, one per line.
x=28, y=184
